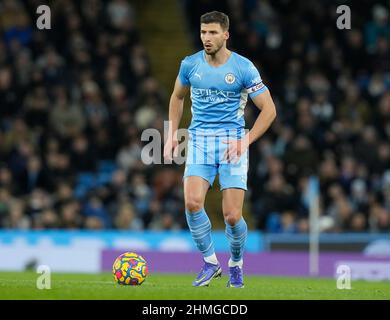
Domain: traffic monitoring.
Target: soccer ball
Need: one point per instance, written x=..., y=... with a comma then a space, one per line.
x=130, y=269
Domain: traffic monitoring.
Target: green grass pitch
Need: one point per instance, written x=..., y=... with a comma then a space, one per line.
x=22, y=285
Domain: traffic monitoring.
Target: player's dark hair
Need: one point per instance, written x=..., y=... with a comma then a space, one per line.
x=216, y=17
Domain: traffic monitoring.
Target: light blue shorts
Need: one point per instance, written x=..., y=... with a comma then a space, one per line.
x=205, y=160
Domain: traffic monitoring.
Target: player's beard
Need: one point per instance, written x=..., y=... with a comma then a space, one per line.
x=214, y=52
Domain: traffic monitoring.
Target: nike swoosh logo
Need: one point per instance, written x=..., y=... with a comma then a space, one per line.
x=201, y=278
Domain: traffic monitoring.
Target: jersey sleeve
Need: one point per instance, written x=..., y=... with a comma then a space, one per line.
x=253, y=82
x=184, y=72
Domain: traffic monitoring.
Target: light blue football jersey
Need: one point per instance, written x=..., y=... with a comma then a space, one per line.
x=219, y=94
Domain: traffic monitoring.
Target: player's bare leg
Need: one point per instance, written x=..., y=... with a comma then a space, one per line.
x=195, y=190
x=236, y=231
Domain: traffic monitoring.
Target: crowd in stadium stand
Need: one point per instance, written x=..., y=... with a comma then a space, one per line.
x=75, y=99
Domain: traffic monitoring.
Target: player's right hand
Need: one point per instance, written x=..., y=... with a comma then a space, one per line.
x=171, y=145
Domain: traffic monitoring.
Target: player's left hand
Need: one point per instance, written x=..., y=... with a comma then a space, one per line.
x=235, y=149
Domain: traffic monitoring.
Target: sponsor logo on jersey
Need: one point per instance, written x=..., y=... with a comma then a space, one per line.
x=212, y=95
x=212, y=92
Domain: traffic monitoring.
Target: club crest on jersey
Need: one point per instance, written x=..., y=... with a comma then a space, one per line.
x=230, y=78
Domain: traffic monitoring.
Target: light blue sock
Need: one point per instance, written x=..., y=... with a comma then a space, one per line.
x=237, y=235
x=200, y=227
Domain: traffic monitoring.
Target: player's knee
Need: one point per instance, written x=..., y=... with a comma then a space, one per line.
x=193, y=204
x=232, y=218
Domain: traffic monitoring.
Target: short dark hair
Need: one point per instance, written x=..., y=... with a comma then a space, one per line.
x=216, y=17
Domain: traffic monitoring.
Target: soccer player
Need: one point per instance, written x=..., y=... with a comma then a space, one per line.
x=220, y=81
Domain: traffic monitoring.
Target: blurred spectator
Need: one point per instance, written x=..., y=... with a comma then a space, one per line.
x=165, y=221
x=47, y=219
x=129, y=156
x=82, y=155
x=63, y=194
x=16, y=218
x=36, y=108
x=126, y=218
x=66, y=118
x=278, y=197
x=34, y=176
x=94, y=223
x=141, y=194
x=70, y=217
x=38, y=201
x=121, y=14
x=15, y=23
x=94, y=208
x=354, y=110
